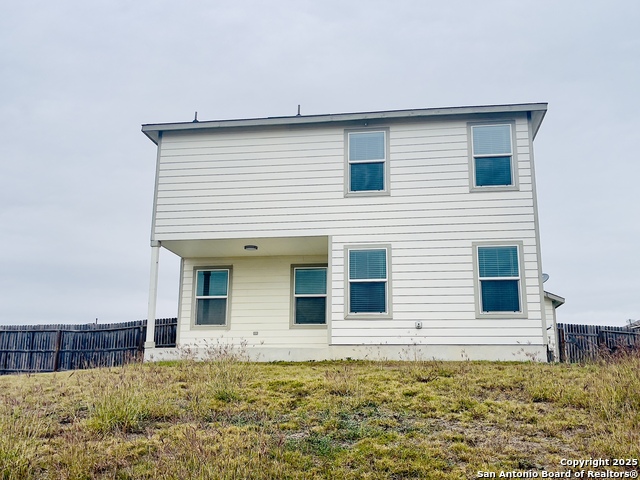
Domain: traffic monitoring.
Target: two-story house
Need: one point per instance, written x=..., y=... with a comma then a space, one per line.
x=363, y=235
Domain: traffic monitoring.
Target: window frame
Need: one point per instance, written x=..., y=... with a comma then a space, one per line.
x=472, y=157
x=194, y=306
x=348, y=315
x=522, y=313
x=348, y=162
x=292, y=321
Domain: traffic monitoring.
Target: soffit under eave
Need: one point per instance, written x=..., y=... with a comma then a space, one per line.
x=536, y=120
x=556, y=300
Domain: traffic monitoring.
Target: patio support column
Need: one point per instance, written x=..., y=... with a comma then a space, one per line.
x=153, y=295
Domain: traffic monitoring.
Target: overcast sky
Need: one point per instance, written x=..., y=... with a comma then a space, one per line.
x=78, y=78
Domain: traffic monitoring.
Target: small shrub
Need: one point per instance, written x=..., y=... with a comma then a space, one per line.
x=619, y=386
x=120, y=411
x=342, y=381
x=226, y=395
x=13, y=462
x=314, y=444
x=21, y=432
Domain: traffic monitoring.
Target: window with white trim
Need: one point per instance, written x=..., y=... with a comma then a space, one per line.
x=499, y=279
x=368, y=281
x=492, y=153
x=309, y=295
x=367, y=161
x=212, y=296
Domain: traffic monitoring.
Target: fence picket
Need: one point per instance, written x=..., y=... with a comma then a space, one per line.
x=49, y=348
x=581, y=343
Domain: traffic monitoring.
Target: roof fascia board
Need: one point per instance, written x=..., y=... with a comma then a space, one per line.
x=537, y=110
x=556, y=300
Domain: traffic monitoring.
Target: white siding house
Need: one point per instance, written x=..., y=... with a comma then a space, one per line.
x=381, y=234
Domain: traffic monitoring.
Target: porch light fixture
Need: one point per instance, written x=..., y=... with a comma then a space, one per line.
x=251, y=248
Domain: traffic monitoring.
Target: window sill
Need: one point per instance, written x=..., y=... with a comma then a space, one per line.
x=500, y=315
x=308, y=326
x=495, y=188
x=368, y=193
x=209, y=327
x=368, y=316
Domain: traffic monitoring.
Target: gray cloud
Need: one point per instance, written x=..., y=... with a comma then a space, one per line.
x=78, y=79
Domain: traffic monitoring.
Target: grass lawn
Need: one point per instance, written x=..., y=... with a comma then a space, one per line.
x=344, y=420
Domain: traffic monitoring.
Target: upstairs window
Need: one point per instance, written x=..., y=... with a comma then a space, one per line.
x=499, y=277
x=367, y=161
x=368, y=281
x=492, y=155
x=309, y=295
x=212, y=295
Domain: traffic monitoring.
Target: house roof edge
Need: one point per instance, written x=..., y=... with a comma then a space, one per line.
x=537, y=110
x=556, y=300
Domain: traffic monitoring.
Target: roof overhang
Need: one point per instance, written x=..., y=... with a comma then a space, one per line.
x=257, y=247
x=536, y=111
x=556, y=300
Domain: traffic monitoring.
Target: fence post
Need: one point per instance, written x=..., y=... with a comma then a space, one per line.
x=562, y=345
x=142, y=337
x=56, y=353
x=603, y=343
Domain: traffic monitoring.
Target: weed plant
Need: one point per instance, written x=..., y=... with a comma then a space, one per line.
x=228, y=418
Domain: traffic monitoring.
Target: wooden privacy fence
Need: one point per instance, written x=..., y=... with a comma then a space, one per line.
x=50, y=348
x=582, y=343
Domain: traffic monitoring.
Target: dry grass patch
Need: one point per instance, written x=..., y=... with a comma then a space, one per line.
x=227, y=418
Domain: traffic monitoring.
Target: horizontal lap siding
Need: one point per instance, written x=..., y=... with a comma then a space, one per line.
x=260, y=302
x=438, y=291
x=292, y=182
x=491, y=232
x=211, y=171
x=282, y=183
x=431, y=242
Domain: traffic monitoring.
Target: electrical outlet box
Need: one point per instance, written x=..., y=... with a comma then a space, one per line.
x=418, y=325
